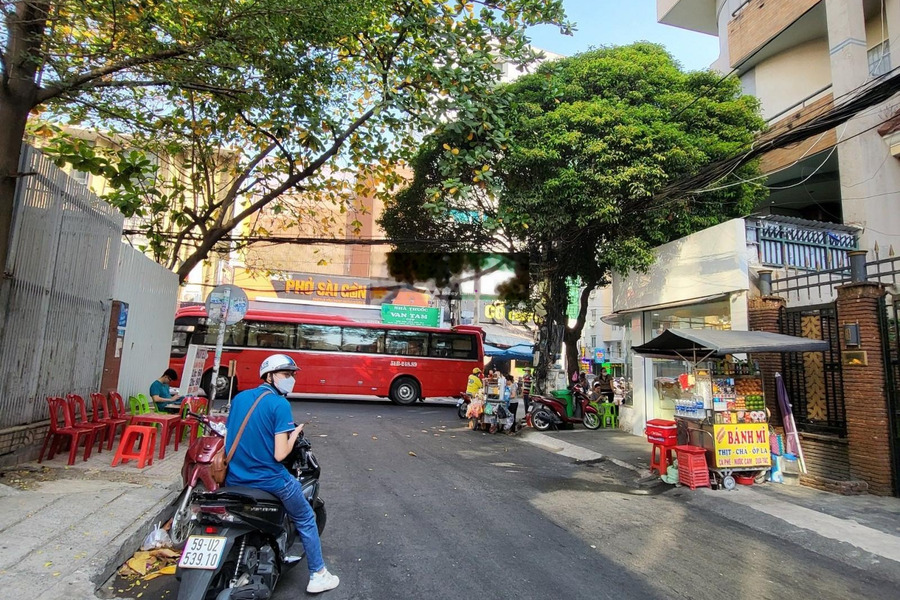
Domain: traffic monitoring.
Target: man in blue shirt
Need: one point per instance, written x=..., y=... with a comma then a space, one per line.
x=268, y=438
x=159, y=390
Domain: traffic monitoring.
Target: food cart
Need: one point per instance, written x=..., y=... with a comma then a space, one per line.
x=719, y=400
x=495, y=414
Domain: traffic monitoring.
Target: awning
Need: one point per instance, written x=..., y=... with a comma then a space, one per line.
x=700, y=344
x=517, y=352
x=619, y=318
x=498, y=335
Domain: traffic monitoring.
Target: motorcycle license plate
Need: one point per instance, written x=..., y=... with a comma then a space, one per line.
x=202, y=552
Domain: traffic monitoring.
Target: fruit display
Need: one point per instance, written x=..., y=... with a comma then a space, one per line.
x=748, y=386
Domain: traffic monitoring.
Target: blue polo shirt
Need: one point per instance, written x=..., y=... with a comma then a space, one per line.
x=253, y=463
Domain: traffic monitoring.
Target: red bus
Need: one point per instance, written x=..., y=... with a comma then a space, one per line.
x=337, y=355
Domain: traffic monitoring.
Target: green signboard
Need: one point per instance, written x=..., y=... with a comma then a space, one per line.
x=410, y=315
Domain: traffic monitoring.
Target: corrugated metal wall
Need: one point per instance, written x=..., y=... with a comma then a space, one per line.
x=62, y=263
x=151, y=292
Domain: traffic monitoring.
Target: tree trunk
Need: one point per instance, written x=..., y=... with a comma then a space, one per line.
x=18, y=94
x=14, y=116
x=573, y=333
x=551, y=331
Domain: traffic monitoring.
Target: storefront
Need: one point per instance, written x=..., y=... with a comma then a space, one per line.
x=687, y=288
x=720, y=407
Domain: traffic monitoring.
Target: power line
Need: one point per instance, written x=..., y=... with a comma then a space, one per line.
x=829, y=120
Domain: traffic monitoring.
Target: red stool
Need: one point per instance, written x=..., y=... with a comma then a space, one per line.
x=660, y=458
x=145, y=436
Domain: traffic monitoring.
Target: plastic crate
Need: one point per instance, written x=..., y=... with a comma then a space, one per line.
x=692, y=469
x=662, y=432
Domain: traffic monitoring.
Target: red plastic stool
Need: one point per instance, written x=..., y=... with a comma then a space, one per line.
x=142, y=434
x=660, y=453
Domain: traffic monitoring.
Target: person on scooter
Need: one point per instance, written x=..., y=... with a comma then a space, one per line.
x=268, y=438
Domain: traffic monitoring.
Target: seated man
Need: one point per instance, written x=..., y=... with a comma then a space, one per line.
x=159, y=392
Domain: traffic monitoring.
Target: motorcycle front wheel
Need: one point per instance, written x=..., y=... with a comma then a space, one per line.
x=321, y=517
x=461, y=410
x=182, y=525
x=541, y=419
x=591, y=420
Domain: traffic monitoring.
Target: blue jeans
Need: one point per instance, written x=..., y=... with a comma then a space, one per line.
x=304, y=519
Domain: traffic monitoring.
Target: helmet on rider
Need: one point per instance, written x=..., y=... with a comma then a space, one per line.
x=275, y=363
x=476, y=371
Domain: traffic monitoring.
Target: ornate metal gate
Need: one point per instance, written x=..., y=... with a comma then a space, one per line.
x=814, y=380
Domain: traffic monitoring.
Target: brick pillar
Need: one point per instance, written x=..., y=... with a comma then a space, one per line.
x=763, y=313
x=865, y=388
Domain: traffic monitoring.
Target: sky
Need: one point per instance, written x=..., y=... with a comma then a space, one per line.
x=620, y=22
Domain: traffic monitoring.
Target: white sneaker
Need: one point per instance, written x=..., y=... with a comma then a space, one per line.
x=322, y=582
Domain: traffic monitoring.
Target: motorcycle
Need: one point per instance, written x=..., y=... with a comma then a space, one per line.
x=195, y=475
x=552, y=412
x=248, y=539
x=462, y=404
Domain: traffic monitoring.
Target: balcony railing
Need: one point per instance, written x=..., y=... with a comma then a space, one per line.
x=785, y=242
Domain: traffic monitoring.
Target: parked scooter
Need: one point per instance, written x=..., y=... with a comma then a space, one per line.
x=195, y=474
x=462, y=404
x=552, y=412
x=248, y=538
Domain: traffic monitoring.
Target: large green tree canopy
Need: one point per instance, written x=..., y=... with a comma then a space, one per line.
x=252, y=100
x=591, y=138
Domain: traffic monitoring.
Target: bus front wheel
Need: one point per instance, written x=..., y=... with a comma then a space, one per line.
x=222, y=385
x=405, y=390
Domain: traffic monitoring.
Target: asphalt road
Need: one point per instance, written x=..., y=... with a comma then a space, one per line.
x=421, y=507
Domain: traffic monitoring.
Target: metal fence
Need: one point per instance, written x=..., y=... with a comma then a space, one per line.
x=54, y=305
x=820, y=287
x=151, y=292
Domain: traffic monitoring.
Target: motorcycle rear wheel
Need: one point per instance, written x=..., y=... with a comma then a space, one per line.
x=541, y=419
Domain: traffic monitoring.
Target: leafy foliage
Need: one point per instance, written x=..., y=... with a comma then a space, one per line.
x=264, y=103
x=591, y=139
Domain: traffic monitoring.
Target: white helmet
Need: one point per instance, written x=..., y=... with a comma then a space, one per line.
x=277, y=362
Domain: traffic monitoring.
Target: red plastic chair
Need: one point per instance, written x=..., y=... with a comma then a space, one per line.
x=67, y=433
x=80, y=419
x=117, y=407
x=103, y=415
x=144, y=437
x=196, y=405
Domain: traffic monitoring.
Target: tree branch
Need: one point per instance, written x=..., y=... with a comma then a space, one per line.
x=80, y=81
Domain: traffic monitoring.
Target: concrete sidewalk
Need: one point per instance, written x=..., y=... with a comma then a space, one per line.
x=65, y=530
x=861, y=531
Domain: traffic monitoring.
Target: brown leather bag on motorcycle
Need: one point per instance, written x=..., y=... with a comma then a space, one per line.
x=218, y=468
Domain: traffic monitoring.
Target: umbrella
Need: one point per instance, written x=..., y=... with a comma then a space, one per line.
x=792, y=437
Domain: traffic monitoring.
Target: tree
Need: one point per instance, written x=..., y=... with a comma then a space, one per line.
x=251, y=100
x=591, y=139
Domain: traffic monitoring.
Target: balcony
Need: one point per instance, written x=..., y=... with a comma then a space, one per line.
x=799, y=244
x=693, y=15
x=814, y=105
x=756, y=23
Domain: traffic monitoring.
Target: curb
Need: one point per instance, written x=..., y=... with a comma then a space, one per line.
x=579, y=453
x=131, y=536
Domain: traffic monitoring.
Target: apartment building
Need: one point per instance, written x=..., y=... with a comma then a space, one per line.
x=832, y=196
x=800, y=58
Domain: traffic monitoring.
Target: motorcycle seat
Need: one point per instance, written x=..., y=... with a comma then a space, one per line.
x=244, y=491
